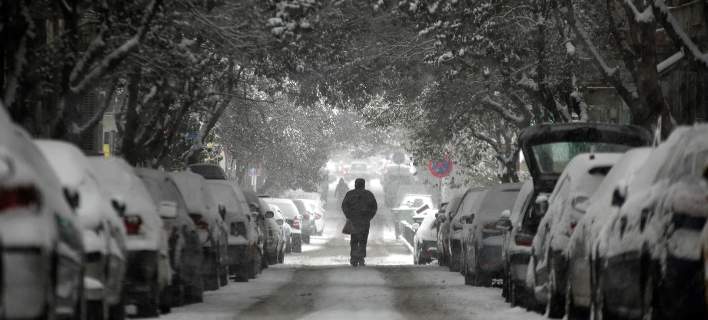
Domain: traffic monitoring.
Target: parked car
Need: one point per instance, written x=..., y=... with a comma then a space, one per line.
x=147, y=272
x=284, y=228
x=257, y=225
x=519, y=225
x=277, y=235
x=40, y=236
x=102, y=230
x=243, y=252
x=212, y=230
x=307, y=226
x=358, y=170
x=273, y=240
x=407, y=207
x=208, y=171
x=467, y=205
x=292, y=217
x=444, y=229
x=185, y=250
x=481, y=237
x=566, y=205
x=425, y=241
x=548, y=148
x=648, y=257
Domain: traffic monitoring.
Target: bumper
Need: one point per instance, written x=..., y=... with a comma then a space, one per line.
x=490, y=259
x=141, y=279
x=25, y=282
x=518, y=265
x=95, y=270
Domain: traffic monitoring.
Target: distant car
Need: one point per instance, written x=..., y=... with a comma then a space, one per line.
x=481, y=237
x=648, y=257
x=358, y=170
x=273, y=241
x=292, y=217
x=148, y=271
x=444, y=229
x=308, y=226
x=566, y=205
x=425, y=241
x=40, y=236
x=243, y=252
x=103, y=231
x=185, y=250
x=284, y=228
x=211, y=227
x=519, y=226
x=316, y=212
x=407, y=207
x=458, y=217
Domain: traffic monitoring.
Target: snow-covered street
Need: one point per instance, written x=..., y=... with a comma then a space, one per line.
x=320, y=284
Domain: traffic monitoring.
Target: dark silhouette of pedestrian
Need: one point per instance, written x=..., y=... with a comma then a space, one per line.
x=359, y=206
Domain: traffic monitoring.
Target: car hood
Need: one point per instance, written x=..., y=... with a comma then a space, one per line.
x=632, y=136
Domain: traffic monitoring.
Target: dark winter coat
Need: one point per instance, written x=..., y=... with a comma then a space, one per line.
x=359, y=206
x=341, y=189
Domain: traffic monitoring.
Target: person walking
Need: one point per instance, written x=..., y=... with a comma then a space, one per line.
x=340, y=191
x=359, y=206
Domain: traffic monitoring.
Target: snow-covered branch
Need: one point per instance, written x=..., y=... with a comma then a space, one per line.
x=675, y=31
x=503, y=111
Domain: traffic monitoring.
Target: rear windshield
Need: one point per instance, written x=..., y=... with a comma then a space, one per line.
x=208, y=171
x=358, y=166
x=287, y=207
x=553, y=157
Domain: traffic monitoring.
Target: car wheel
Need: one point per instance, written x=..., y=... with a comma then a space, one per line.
x=571, y=310
x=117, y=311
x=96, y=309
x=151, y=306
x=554, y=305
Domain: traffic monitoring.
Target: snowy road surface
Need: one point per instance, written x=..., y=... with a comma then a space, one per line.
x=320, y=284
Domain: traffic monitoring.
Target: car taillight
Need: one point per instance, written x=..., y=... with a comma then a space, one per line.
x=523, y=240
x=296, y=223
x=199, y=222
x=18, y=197
x=132, y=224
x=572, y=226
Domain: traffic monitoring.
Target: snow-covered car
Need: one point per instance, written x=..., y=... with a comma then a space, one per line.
x=185, y=250
x=482, y=239
x=578, y=250
x=243, y=251
x=292, y=217
x=257, y=222
x=307, y=226
x=444, y=218
x=212, y=230
x=648, y=256
x=519, y=225
x=284, y=228
x=566, y=205
x=547, y=149
x=41, y=250
x=273, y=241
x=148, y=271
x=313, y=215
x=274, y=231
x=425, y=241
x=457, y=218
x=102, y=230
x=208, y=171
x=358, y=170
x=407, y=207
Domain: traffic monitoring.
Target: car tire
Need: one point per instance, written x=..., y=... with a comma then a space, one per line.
x=96, y=310
x=151, y=306
x=297, y=245
x=555, y=307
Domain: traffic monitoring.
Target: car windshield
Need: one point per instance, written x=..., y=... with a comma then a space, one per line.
x=553, y=157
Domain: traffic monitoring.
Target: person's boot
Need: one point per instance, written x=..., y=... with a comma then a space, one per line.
x=354, y=262
x=361, y=262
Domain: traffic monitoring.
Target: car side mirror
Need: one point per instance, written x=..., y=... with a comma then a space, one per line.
x=506, y=214
x=119, y=205
x=167, y=210
x=619, y=196
x=72, y=197
x=269, y=214
x=222, y=211
x=541, y=204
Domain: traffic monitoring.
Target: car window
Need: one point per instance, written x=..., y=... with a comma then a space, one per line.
x=554, y=157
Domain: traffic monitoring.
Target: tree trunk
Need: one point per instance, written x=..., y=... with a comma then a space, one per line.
x=132, y=118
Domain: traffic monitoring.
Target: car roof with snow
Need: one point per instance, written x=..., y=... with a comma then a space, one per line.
x=585, y=171
x=120, y=181
x=73, y=170
x=287, y=206
x=193, y=189
x=162, y=188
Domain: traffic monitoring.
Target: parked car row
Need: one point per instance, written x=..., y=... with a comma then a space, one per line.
x=92, y=238
x=607, y=228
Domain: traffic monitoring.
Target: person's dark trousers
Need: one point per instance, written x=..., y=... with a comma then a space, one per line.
x=358, y=244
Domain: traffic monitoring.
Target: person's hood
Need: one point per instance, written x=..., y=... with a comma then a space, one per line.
x=359, y=184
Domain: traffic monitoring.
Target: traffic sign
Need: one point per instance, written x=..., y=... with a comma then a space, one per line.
x=440, y=169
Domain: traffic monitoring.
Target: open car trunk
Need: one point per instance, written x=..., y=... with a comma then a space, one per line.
x=547, y=148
